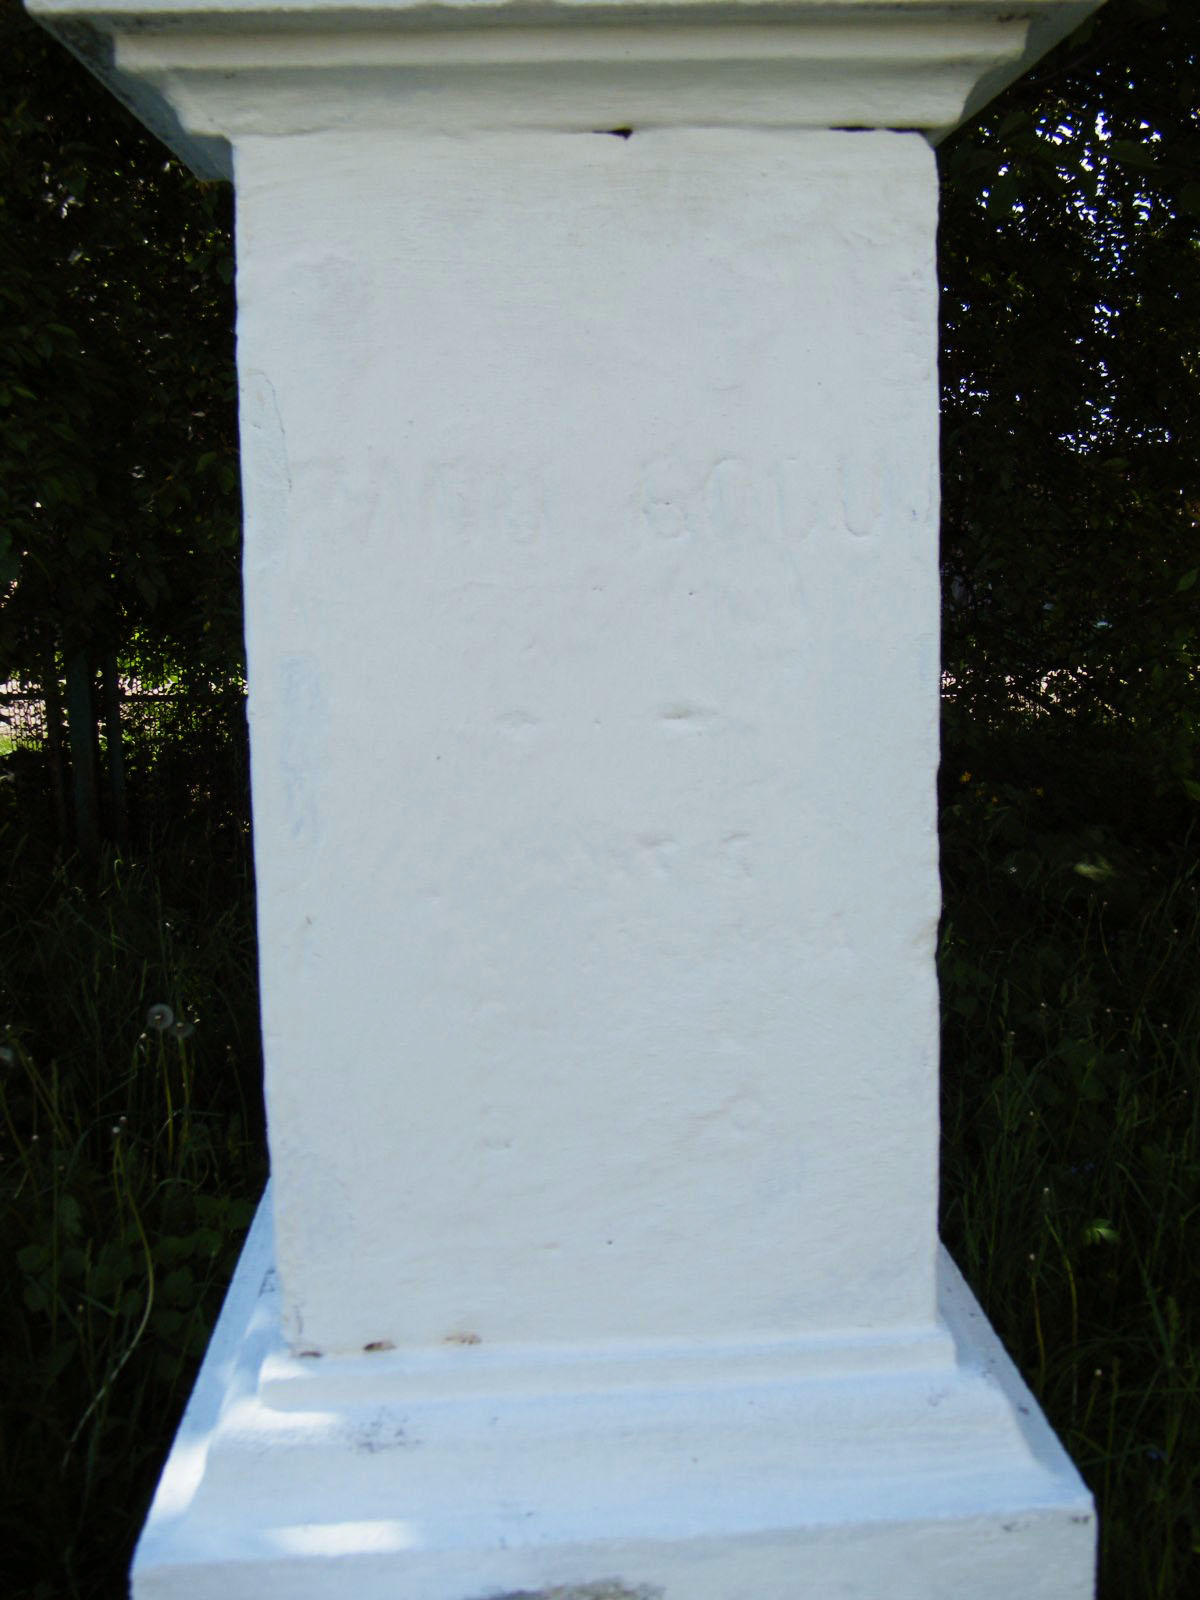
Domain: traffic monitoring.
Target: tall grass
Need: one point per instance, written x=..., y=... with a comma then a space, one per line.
x=1071, y=1148
x=130, y=1139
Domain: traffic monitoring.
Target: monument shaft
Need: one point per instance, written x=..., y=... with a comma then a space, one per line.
x=591, y=571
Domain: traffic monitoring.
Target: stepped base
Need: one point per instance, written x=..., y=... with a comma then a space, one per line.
x=913, y=1468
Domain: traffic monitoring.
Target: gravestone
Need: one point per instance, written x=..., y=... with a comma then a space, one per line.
x=587, y=360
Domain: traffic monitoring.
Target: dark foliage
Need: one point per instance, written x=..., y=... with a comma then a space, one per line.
x=1070, y=260
x=118, y=474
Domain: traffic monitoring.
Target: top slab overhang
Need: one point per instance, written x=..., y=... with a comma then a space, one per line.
x=202, y=73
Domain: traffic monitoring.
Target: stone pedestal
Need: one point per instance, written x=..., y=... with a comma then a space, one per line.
x=589, y=422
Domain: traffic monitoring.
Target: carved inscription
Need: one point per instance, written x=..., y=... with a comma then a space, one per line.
x=729, y=500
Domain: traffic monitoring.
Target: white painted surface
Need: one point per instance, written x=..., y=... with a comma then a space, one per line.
x=591, y=579
x=918, y=1485
x=592, y=626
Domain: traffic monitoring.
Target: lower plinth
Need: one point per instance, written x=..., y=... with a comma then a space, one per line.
x=907, y=1467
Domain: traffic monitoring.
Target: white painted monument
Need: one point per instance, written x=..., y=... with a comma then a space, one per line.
x=589, y=418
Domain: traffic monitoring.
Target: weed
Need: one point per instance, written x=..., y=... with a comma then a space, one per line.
x=1071, y=1150
x=130, y=1158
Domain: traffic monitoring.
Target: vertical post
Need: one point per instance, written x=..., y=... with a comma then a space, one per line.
x=111, y=687
x=81, y=732
x=52, y=700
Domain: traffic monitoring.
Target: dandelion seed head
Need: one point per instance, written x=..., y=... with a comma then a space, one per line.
x=159, y=1017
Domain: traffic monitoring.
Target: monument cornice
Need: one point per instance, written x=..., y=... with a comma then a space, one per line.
x=204, y=73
